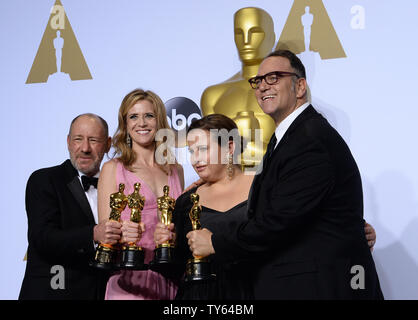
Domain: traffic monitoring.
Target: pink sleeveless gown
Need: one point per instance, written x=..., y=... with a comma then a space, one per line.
x=147, y=284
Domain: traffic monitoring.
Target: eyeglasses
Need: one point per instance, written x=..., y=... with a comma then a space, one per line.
x=270, y=78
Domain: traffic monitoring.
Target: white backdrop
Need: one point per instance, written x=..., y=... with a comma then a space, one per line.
x=178, y=48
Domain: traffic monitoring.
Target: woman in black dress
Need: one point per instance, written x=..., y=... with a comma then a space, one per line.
x=223, y=197
x=232, y=280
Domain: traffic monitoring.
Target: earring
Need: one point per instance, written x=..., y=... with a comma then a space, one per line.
x=230, y=167
x=128, y=140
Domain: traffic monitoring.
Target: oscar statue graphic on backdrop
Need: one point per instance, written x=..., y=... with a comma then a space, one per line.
x=197, y=268
x=132, y=254
x=307, y=20
x=308, y=28
x=58, y=45
x=107, y=254
x=59, y=55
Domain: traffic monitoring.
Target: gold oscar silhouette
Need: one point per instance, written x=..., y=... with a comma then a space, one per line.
x=198, y=268
x=254, y=39
x=164, y=253
x=132, y=255
x=106, y=254
x=166, y=204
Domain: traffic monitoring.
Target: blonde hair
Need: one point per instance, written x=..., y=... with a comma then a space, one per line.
x=124, y=152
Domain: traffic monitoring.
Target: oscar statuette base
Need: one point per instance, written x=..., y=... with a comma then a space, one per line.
x=199, y=269
x=105, y=257
x=163, y=261
x=132, y=258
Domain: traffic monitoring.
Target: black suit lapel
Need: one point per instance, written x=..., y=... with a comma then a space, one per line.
x=255, y=186
x=309, y=112
x=77, y=190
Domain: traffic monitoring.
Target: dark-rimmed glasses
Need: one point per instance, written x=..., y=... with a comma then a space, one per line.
x=270, y=78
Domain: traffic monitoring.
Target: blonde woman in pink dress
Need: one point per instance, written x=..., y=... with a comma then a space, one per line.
x=141, y=115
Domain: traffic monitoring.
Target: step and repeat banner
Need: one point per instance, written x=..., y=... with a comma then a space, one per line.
x=62, y=58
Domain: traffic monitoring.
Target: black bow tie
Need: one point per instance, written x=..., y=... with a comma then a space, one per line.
x=89, y=181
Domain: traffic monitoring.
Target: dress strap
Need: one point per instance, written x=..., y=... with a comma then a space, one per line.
x=174, y=182
x=119, y=173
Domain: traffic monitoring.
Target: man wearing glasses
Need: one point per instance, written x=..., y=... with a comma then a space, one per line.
x=305, y=208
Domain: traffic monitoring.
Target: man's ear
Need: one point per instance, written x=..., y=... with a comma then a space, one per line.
x=301, y=88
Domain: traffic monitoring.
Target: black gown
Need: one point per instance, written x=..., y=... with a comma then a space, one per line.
x=233, y=280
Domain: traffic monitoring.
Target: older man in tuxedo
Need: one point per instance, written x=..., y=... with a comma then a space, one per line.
x=305, y=229
x=61, y=205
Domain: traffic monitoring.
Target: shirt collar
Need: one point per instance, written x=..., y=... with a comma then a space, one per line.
x=285, y=124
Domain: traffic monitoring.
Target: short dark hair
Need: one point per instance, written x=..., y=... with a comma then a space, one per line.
x=217, y=121
x=213, y=121
x=295, y=62
x=92, y=115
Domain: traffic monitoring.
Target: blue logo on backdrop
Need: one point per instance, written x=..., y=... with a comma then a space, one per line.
x=180, y=114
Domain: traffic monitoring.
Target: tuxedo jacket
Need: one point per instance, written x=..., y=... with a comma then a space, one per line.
x=60, y=233
x=305, y=227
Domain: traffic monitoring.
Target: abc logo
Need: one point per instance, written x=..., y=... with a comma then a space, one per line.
x=179, y=122
x=180, y=114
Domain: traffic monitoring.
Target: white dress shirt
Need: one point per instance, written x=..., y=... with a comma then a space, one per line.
x=91, y=195
x=285, y=124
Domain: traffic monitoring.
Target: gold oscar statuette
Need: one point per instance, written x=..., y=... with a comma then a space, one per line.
x=164, y=253
x=132, y=254
x=198, y=268
x=106, y=254
x=254, y=39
